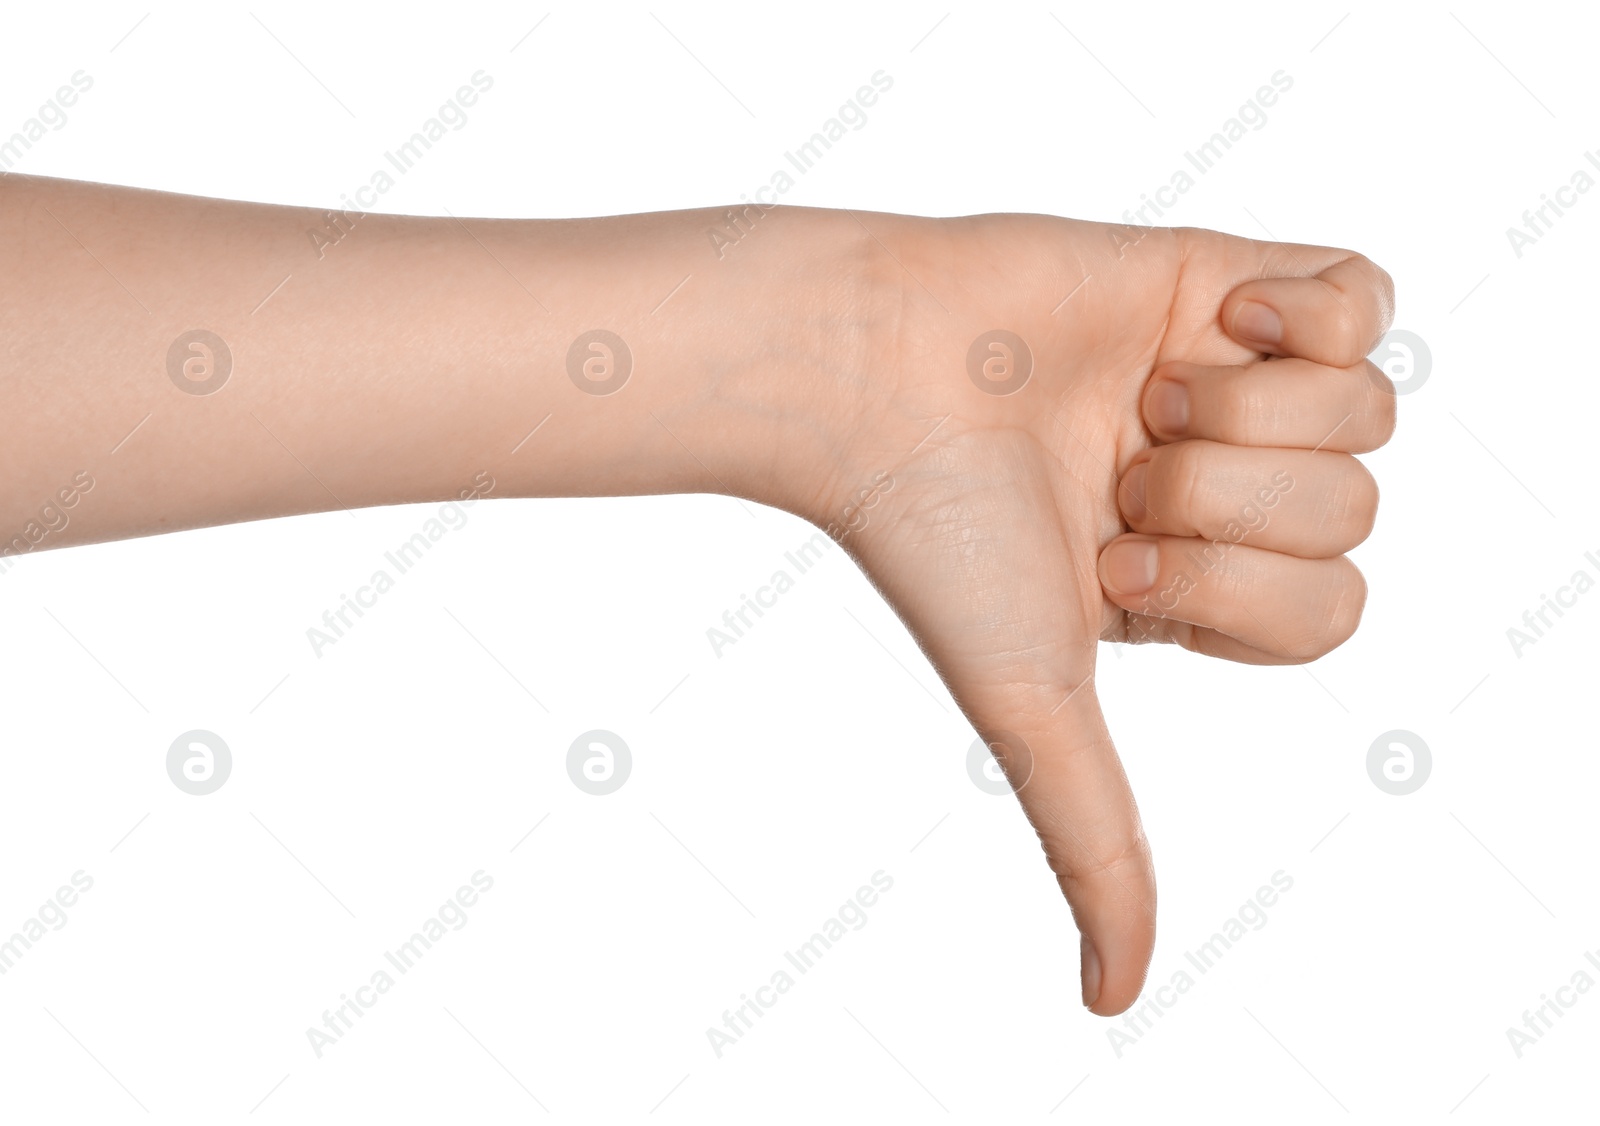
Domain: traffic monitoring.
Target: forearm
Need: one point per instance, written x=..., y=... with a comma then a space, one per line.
x=398, y=359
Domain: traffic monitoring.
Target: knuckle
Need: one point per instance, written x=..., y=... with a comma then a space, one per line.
x=1365, y=506
x=1332, y=615
x=1377, y=299
x=1384, y=294
x=1385, y=411
x=1249, y=409
x=1347, y=327
x=1308, y=646
x=1349, y=591
x=1079, y=868
x=1178, y=485
x=1354, y=502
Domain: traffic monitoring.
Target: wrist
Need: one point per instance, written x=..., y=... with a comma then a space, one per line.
x=746, y=372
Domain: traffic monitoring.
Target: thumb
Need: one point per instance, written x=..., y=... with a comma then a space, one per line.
x=1072, y=787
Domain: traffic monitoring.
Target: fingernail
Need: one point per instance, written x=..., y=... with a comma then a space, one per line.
x=1169, y=407
x=1129, y=566
x=1133, y=484
x=1091, y=972
x=1258, y=322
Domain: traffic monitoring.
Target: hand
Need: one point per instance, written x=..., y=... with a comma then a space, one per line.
x=1221, y=381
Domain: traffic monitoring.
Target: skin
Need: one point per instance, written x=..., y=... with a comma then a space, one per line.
x=820, y=363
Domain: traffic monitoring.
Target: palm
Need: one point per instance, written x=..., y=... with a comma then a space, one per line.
x=1001, y=504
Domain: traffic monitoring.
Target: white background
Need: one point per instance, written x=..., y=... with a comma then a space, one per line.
x=769, y=783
